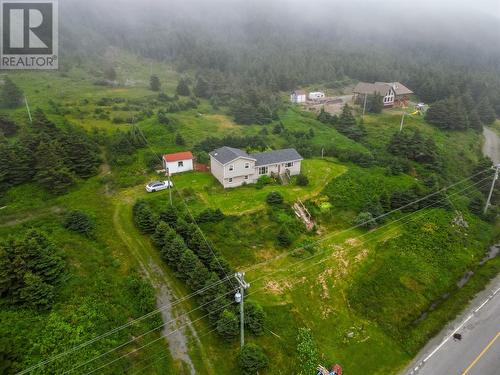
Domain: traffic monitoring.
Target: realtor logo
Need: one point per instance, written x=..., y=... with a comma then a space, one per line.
x=29, y=34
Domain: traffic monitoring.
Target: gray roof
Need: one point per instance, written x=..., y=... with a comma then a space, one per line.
x=371, y=88
x=275, y=157
x=226, y=154
x=399, y=88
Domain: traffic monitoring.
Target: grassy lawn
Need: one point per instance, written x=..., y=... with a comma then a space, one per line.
x=247, y=199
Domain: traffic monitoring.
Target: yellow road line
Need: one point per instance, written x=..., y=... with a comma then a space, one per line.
x=481, y=354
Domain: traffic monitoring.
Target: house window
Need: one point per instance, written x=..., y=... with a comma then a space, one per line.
x=289, y=164
x=247, y=165
x=231, y=168
x=263, y=170
x=180, y=164
x=230, y=180
x=246, y=177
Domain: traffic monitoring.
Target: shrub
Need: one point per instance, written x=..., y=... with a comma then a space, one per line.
x=284, y=237
x=365, y=220
x=252, y=359
x=80, y=222
x=274, y=198
x=227, y=325
x=302, y=180
x=254, y=317
x=263, y=181
x=307, y=352
x=210, y=215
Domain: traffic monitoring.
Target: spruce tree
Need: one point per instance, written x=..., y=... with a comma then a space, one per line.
x=201, y=88
x=187, y=264
x=199, y=276
x=183, y=88
x=486, y=111
x=11, y=96
x=475, y=121
x=51, y=173
x=227, y=325
x=375, y=103
x=179, y=140
x=173, y=249
x=144, y=218
x=154, y=83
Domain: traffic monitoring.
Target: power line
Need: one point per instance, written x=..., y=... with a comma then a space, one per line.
x=144, y=334
x=314, y=264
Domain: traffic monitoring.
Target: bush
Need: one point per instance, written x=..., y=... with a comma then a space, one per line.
x=210, y=216
x=252, y=359
x=227, y=325
x=274, y=198
x=263, y=181
x=80, y=222
x=365, y=220
x=284, y=237
x=302, y=180
x=254, y=317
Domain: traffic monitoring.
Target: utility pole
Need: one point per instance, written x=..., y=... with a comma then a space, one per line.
x=364, y=107
x=28, y=108
x=169, y=186
x=402, y=122
x=240, y=298
x=495, y=178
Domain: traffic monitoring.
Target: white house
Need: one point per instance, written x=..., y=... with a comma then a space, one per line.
x=178, y=162
x=234, y=167
x=298, y=96
x=316, y=95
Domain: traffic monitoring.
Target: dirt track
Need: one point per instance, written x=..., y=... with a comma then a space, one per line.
x=491, y=145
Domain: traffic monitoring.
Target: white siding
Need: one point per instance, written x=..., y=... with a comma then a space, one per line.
x=179, y=166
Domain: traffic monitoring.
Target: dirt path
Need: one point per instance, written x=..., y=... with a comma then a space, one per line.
x=491, y=145
x=154, y=269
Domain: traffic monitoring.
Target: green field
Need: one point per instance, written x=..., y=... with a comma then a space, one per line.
x=360, y=291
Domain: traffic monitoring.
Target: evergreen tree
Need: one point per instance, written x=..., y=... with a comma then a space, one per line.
x=173, y=249
x=486, y=111
x=437, y=114
x=252, y=359
x=475, y=121
x=169, y=216
x=154, y=83
x=284, y=237
x=183, y=88
x=162, y=231
x=30, y=268
x=80, y=154
x=348, y=126
x=199, y=244
x=11, y=96
x=51, y=173
x=5, y=165
x=179, y=140
x=80, y=222
x=255, y=317
x=42, y=125
x=201, y=88
x=375, y=103
x=187, y=264
x=144, y=218
x=227, y=325
x=199, y=276
x=21, y=163
x=220, y=266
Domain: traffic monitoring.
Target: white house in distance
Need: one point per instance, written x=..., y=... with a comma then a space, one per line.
x=298, y=96
x=316, y=95
x=234, y=167
x=178, y=162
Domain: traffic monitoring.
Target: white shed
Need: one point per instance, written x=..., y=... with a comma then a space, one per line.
x=298, y=96
x=178, y=162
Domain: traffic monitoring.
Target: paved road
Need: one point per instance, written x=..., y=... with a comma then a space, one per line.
x=478, y=353
x=491, y=145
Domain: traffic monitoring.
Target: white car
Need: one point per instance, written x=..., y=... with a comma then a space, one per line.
x=158, y=185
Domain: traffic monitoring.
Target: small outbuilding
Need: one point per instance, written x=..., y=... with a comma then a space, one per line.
x=178, y=162
x=298, y=96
